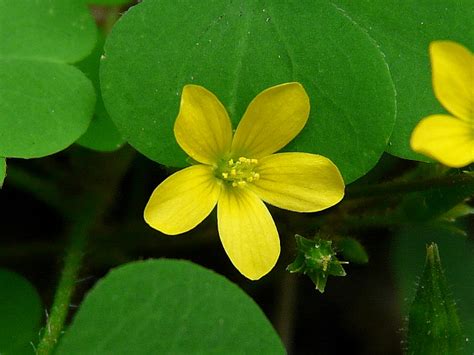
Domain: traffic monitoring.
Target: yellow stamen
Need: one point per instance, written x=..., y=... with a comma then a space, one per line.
x=238, y=172
x=325, y=261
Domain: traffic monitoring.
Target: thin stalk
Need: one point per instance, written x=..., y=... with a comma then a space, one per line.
x=100, y=180
x=67, y=283
x=285, y=312
x=402, y=187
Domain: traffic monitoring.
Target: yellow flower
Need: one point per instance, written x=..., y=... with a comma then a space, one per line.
x=449, y=139
x=237, y=172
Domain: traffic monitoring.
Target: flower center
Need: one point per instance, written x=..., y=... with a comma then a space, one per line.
x=238, y=172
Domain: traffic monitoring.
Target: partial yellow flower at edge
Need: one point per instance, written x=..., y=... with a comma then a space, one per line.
x=449, y=139
x=240, y=173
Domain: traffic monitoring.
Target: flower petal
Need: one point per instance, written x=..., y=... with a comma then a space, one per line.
x=247, y=232
x=272, y=120
x=203, y=128
x=453, y=77
x=298, y=182
x=183, y=200
x=446, y=139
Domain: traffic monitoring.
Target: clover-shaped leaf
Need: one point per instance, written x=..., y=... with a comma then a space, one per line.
x=238, y=48
x=45, y=104
x=21, y=312
x=168, y=306
x=102, y=135
x=403, y=32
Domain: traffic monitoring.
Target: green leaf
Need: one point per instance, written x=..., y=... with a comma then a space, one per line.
x=21, y=312
x=352, y=251
x=408, y=248
x=3, y=170
x=433, y=202
x=433, y=323
x=102, y=135
x=403, y=30
x=458, y=211
x=168, y=306
x=46, y=30
x=46, y=104
x=109, y=2
x=48, y=114
x=236, y=49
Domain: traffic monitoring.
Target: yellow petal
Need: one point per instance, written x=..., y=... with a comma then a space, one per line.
x=183, y=200
x=446, y=139
x=299, y=182
x=247, y=232
x=203, y=128
x=453, y=77
x=272, y=120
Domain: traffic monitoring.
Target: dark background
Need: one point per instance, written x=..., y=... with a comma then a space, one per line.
x=359, y=313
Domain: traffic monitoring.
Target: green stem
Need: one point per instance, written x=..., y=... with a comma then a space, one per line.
x=285, y=312
x=401, y=187
x=99, y=182
x=67, y=283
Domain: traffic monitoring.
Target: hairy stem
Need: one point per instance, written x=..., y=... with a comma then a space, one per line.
x=67, y=282
x=100, y=177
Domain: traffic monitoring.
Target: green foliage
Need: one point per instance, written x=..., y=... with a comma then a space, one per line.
x=458, y=211
x=433, y=323
x=435, y=201
x=46, y=30
x=237, y=49
x=3, y=170
x=21, y=312
x=458, y=260
x=402, y=31
x=109, y=2
x=102, y=135
x=352, y=251
x=317, y=259
x=46, y=103
x=365, y=66
x=168, y=306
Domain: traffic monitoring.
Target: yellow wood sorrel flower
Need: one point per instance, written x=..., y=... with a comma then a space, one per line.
x=449, y=139
x=238, y=172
